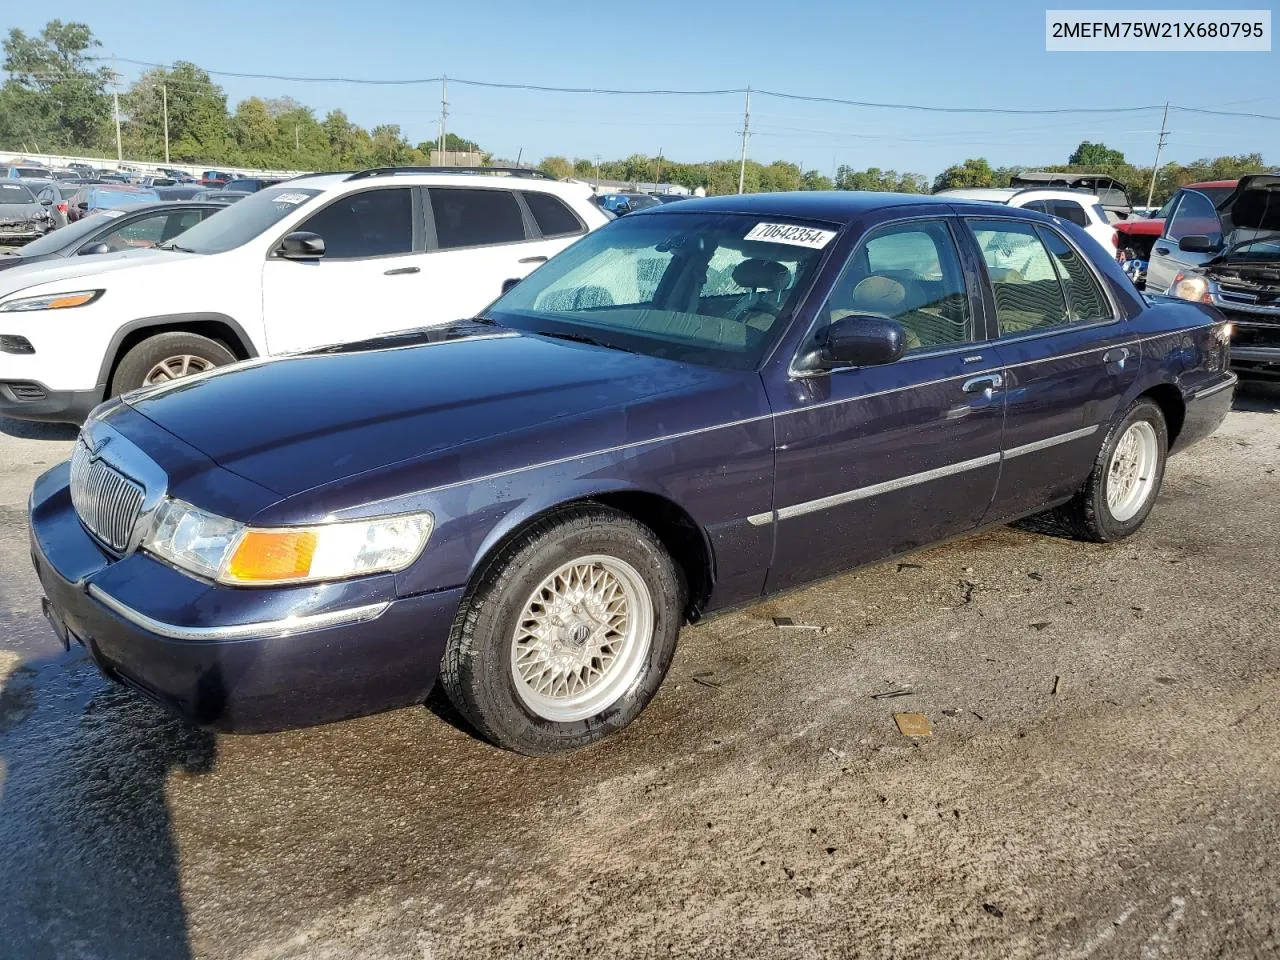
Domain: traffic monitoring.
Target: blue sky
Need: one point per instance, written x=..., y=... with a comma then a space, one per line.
x=977, y=53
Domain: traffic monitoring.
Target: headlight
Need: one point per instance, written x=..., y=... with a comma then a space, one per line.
x=233, y=553
x=51, y=301
x=1190, y=287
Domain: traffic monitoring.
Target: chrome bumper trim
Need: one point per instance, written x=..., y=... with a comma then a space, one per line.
x=1216, y=388
x=239, y=631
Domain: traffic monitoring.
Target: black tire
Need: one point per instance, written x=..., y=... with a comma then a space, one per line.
x=132, y=370
x=1088, y=515
x=476, y=671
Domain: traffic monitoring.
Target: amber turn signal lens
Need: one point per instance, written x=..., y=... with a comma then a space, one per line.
x=72, y=300
x=265, y=556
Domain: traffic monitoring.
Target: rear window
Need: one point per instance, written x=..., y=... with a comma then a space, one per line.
x=1069, y=210
x=553, y=218
x=16, y=193
x=475, y=218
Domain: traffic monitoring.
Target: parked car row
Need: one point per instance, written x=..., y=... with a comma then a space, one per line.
x=694, y=406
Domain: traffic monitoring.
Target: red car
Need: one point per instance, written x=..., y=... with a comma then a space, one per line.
x=215, y=178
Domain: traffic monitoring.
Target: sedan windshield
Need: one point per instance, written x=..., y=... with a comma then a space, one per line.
x=65, y=237
x=16, y=193
x=246, y=219
x=715, y=289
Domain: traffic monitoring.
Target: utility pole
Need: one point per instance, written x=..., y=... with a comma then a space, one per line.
x=444, y=115
x=164, y=98
x=519, y=154
x=295, y=138
x=115, y=98
x=659, y=179
x=597, y=173
x=1155, y=167
x=746, y=131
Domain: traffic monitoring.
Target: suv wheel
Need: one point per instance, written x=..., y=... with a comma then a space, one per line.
x=165, y=357
x=566, y=634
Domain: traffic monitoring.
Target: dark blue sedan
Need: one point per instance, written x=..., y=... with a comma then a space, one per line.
x=691, y=408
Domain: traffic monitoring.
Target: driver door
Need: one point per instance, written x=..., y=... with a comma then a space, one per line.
x=875, y=461
x=1195, y=216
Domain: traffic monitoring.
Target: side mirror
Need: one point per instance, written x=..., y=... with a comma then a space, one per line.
x=862, y=340
x=93, y=249
x=301, y=245
x=1196, y=243
x=509, y=283
x=83, y=205
x=46, y=202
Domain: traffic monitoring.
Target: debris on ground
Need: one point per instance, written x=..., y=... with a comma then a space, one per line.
x=838, y=754
x=1040, y=624
x=968, y=587
x=786, y=623
x=890, y=694
x=913, y=724
x=910, y=566
x=992, y=909
x=704, y=679
x=1057, y=685
x=1036, y=576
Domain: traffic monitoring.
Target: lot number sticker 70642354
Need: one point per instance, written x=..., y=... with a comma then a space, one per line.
x=792, y=234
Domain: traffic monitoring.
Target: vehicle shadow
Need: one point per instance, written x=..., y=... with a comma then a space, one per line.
x=88, y=860
x=35, y=430
x=1257, y=396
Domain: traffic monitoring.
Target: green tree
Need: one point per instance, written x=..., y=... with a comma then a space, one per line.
x=1094, y=155
x=970, y=173
x=390, y=148
x=54, y=98
x=557, y=167
x=254, y=131
x=813, y=180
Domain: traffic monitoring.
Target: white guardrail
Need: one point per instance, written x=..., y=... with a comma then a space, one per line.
x=106, y=163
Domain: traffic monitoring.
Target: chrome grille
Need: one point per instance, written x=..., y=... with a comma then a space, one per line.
x=107, y=501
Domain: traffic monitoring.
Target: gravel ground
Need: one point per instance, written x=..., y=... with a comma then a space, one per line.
x=1102, y=780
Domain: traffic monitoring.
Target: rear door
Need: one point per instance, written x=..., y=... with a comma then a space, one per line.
x=369, y=281
x=1066, y=357
x=1195, y=215
x=880, y=460
x=478, y=238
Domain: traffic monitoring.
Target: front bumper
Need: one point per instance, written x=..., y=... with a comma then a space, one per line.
x=244, y=661
x=32, y=400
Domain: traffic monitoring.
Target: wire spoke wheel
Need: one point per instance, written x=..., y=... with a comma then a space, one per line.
x=582, y=638
x=171, y=368
x=1133, y=470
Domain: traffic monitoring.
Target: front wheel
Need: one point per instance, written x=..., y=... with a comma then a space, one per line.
x=1126, y=477
x=567, y=633
x=168, y=356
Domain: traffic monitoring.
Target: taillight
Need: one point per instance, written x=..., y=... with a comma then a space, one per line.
x=1115, y=239
x=62, y=207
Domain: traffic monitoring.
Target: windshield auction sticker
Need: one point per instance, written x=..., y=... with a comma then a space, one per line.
x=791, y=234
x=1158, y=30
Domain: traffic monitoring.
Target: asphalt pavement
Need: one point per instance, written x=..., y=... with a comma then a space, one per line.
x=1102, y=778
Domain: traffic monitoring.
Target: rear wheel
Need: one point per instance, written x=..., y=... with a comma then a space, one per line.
x=1126, y=477
x=567, y=633
x=165, y=357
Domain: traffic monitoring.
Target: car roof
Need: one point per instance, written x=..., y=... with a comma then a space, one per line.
x=1212, y=183
x=830, y=205
x=327, y=181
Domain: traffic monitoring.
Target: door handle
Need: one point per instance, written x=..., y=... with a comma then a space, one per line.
x=987, y=384
x=533, y=260
x=1163, y=251
x=1117, y=355
x=399, y=271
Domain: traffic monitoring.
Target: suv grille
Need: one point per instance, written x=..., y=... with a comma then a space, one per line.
x=107, y=501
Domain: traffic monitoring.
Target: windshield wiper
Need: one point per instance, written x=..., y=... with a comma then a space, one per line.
x=171, y=245
x=580, y=338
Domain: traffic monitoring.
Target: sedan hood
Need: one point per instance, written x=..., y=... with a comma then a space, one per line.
x=467, y=401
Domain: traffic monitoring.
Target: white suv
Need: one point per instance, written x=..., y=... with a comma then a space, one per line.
x=1082, y=209
x=317, y=260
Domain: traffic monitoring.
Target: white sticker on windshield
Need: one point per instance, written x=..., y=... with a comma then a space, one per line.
x=111, y=213
x=290, y=198
x=791, y=234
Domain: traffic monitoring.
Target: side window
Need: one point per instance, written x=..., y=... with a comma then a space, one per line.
x=551, y=215
x=475, y=218
x=179, y=223
x=1195, y=216
x=1084, y=297
x=1069, y=210
x=1027, y=292
x=1039, y=206
x=372, y=223
x=146, y=232
x=910, y=273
